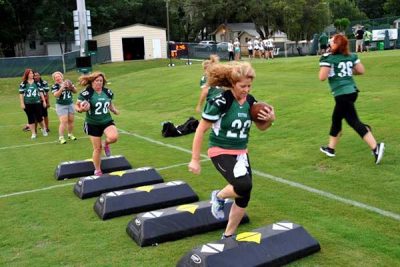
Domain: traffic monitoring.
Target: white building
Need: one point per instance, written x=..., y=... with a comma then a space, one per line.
x=133, y=42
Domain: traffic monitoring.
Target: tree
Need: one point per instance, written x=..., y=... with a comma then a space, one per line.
x=392, y=7
x=341, y=24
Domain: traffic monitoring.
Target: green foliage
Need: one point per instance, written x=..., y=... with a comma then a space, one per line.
x=53, y=227
x=341, y=24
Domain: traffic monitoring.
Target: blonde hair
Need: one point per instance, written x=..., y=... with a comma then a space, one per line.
x=226, y=75
x=55, y=73
x=213, y=59
x=85, y=80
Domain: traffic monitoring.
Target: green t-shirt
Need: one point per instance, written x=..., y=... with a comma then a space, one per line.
x=99, y=113
x=231, y=124
x=66, y=96
x=31, y=92
x=323, y=39
x=341, y=67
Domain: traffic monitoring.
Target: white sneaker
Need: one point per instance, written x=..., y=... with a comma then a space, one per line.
x=33, y=136
x=217, y=206
x=44, y=132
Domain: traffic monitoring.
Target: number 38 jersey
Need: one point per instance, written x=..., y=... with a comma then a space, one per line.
x=99, y=112
x=341, y=73
x=231, y=121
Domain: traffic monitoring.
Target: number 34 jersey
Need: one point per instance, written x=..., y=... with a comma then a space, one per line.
x=231, y=121
x=341, y=72
x=99, y=112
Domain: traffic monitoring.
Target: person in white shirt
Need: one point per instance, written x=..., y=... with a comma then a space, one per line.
x=236, y=47
x=256, y=45
x=230, y=50
x=270, y=48
x=250, y=48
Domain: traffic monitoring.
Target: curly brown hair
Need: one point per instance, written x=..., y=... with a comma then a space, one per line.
x=226, y=75
x=85, y=80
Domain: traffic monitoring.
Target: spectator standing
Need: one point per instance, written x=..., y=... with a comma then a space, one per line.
x=323, y=43
x=359, y=39
x=250, y=48
x=236, y=47
x=367, y=39
x=230, y=51
x=46, y=89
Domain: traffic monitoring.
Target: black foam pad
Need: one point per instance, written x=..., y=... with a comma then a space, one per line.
x=272, y=245
x=144, y=198
x=173, y=223
x=80, y=168
x=92, y=186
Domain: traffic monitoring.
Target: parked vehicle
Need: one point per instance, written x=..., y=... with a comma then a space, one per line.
x=222, y=47
x=206, y=45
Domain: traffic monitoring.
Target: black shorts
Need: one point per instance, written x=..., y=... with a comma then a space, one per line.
x=96, y=130
x=250, y=51
x=323, y=46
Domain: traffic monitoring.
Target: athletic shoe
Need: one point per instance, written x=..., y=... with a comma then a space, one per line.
x=378, y=152
x=62, y=140
x=227, y=236
x=217, y=206
x=107, y=150
x=26, y=128
x=98, y=173
x=330, y=152
x=44, y=132
x=33, y=136
x=71, y=137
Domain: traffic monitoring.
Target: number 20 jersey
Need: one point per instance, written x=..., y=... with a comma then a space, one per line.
x=341, y=72
x=99, y=113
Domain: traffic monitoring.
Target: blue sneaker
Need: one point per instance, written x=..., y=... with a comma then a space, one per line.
x=217, y=206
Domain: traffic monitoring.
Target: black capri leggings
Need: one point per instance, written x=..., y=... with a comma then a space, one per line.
x=242, y=185
x=34, y=112
x=345, y=109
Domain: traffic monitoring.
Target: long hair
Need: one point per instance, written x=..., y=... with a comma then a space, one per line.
x=342, y=45
x=26, y=74
x=226, y=75
x=213, y=59
x=86, y=80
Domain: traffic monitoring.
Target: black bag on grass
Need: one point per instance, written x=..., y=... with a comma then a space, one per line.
x=169, y=129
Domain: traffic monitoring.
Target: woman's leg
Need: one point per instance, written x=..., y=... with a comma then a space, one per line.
x=71, y=119
x=63, y=125
x=111, y=136
x=96, y=156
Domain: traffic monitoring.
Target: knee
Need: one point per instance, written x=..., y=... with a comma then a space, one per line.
x=243, y=188
x=112, y=138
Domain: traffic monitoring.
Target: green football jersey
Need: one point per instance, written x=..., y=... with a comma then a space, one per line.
x=31, y=92
x=214, y=91
x=341, y=72
x=45, y=87
x=231, y=121
x=99, y=112
x=66, y=96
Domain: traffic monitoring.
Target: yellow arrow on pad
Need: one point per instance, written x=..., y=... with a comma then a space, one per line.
x=249, y=237
x=119, y=173
x=146, y=188
x=188, y=207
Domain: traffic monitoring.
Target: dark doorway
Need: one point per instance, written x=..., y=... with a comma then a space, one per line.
x=133, y=48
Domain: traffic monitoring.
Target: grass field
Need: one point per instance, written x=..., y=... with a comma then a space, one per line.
x=350, y=205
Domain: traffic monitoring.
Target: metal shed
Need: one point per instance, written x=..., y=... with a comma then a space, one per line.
x=134, y=42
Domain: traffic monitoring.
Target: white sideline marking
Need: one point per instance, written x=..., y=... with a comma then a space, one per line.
x=264, y=175
x=68, y=184
x=294, y=184
x=36, y=144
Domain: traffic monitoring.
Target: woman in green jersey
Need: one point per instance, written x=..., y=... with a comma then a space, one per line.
x=338, y=67
x=228, y=114
x=63, y=91
x=30, y=96
x=206, y=90
x=96, y=101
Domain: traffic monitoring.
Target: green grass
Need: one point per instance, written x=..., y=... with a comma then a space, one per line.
x=53, y=227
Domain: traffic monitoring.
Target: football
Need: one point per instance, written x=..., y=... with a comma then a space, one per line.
x=67, y=84
x=85, y=105
x=255, y=109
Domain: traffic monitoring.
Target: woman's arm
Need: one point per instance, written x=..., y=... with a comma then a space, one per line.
x=324, y=73
x=194, y=165
x=202, y=98
x=113, y=109
x=358, y=69
x=21, y=101
x=43, y=99
x=59, y=91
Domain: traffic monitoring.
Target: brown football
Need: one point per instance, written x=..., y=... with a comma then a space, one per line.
x=68, y=84
x=255, y=109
